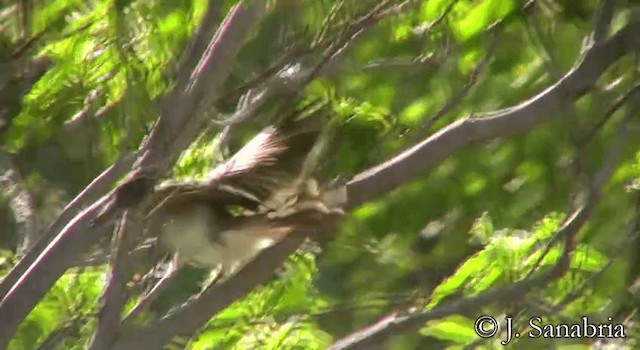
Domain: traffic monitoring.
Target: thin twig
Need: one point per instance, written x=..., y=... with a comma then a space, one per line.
x=463, y=92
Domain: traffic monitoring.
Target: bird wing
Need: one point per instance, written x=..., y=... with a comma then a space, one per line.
x=273, y=159
x=305, y=215
x=266, y=165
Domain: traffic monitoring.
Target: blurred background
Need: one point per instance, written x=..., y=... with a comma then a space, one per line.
x=81, y=84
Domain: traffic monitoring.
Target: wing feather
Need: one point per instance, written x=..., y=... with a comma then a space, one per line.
x=271, y=160
x=267, y=165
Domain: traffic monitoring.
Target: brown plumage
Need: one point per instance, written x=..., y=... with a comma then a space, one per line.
x=196, y=220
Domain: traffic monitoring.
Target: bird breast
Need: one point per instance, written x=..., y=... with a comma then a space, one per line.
x=194, y=233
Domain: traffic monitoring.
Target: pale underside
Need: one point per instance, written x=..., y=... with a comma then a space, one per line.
x=202, y=244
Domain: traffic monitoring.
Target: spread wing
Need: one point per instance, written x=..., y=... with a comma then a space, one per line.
x=273, y=159
x=180, y=193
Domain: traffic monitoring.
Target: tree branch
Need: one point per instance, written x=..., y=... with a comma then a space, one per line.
x=380, y=180
x=472, y=78
x=215, y=299
x=20, y=202
x=114, y=294
x=91, y=193
x=293, y=72
x=397, y=322
x=193, y=315
x=603, y=21
x=176, y=126
x=542, y=108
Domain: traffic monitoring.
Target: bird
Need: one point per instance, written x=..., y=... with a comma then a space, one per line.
x=245, y=204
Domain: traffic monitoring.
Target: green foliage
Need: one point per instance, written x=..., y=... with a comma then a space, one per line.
x=272, y=317
x=481, y=219
x=458, y=329
x=70, y=303
x=120, y=55
x=196, y=160
x=508, y=257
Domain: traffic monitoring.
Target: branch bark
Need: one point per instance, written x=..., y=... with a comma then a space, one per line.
x=512, y=121
x=397, y=322
x=21, y=203
x=114, y=295
x=401, y=169
x=90, y=194
x=380, y=180
x=177, y=125
x=215, y=299
x=179, y=121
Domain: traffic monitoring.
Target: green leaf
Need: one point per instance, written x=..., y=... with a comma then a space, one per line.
x=586, y=258
x=481, y=15
x=455, y=328
x=474, y=265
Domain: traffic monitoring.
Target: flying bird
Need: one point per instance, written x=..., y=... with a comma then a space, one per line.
x=247, y=203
